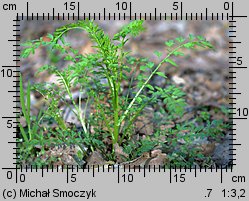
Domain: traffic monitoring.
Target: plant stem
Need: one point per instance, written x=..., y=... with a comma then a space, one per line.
x=146, y=82
x=116, y=119
x=82, y=121
x=116, y=93
x=87, y=101
x=134, y=118
x=131, y=121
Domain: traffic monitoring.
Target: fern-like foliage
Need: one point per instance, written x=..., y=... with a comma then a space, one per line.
x=99, y=75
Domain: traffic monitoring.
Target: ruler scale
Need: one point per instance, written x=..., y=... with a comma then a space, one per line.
x=228, y=182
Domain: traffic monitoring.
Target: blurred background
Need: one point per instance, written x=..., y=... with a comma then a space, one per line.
x=202, y=75
x=205, y=71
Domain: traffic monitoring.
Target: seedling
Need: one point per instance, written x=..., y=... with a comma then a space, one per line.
x=110, y=62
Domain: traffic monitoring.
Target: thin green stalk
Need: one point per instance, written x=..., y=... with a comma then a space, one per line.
x=121, y=59
x=24, y=135
x=116, y=117
x=146, y=82
x=80, y=102
x=130, y=84
x=75, y=106
x=28, y=111
x=111, y=83
x=26, y=108
x=116, y=100
x=87, y=101
x=116, y=94
x=131, y=121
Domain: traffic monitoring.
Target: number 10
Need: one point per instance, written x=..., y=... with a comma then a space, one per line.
x=122, y=5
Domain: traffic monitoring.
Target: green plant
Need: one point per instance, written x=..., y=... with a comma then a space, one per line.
x=32, y=131
x=25, y=111
x=33, y=135
x=113, y=114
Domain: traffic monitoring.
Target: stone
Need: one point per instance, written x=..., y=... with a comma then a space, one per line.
x=95, y=159
x=221, y=153
x=178, y=80
x=208, y=149
x=158, y=158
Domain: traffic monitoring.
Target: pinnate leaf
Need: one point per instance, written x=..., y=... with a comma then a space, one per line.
x=161, y=74
x=171, y=62
x=191, y=37
x=150, y=64
x=143, y=68
x=177, y=53
x=150, y=87
x=169, y=43
x=26, y=52
x=180, y=39
x=158, y=54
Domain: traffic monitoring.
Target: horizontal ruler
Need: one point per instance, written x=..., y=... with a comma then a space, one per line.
x=118, y=170
x=178, y=14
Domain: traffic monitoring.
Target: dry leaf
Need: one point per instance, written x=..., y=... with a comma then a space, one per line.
x=120, y=154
